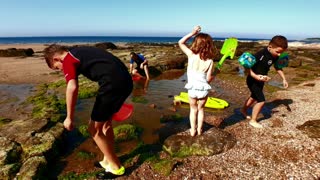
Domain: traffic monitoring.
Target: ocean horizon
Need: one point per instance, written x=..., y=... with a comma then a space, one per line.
x=119, y=39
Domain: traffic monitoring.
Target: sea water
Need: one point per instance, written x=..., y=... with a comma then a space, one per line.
x=95, y=39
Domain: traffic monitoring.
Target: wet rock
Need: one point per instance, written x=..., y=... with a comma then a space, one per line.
x=4, y=121
x=164, y=166
x=31, y=148
x=106, y=45
x=21, y=130
x=126, y=132
x=311, y=128
x=139, y=99
x=9, y=158
x=153, y=106
x=13, y=52
x=171, y=118
x=175, y=62
x=215, y=120
x=8, y=171
x=212, y=141
x=33, y=168
x=310, y=84
x=295, y=62
x=9, y=151
x=43, y=144
x=173, y=109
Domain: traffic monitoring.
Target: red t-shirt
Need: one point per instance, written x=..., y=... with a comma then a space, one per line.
x=70, y=64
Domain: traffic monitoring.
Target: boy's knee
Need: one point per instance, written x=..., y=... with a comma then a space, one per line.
x=92, y=130
x=107, y=127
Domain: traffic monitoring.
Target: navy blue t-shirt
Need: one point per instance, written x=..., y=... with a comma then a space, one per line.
x=264, y=61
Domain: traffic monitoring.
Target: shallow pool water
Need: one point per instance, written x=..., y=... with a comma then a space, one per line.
x=11, y=97
x=156, y=98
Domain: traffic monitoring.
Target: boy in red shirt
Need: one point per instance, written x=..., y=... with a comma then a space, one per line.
x=115, y=85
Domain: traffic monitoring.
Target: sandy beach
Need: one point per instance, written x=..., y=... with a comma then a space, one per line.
x=278, y=151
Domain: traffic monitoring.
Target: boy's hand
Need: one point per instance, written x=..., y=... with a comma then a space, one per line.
x=285, y=84
x=68, y=124
x=263, y=78
x=141, y=66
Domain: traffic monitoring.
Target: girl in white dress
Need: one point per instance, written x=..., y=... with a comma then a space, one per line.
x=199, y=72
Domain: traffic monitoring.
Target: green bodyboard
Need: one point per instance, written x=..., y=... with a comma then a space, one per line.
x=211, y=101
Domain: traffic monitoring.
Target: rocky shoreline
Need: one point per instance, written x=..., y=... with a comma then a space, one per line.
x=279, y=151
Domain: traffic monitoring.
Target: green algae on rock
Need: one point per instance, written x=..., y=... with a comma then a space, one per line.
x=211, y=142
x=126, y=132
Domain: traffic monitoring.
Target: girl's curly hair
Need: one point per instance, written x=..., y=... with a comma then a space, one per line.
x=204, y=46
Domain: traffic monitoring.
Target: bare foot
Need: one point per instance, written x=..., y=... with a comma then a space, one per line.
x=192, y=132
x=255, y=124
x=199, y=131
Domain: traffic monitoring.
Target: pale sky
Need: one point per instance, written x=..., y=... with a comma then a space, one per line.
x=296, y=19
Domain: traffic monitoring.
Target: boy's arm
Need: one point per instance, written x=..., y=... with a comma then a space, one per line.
x=131, y=67
x=253, y=74
x=284, y=81
x=71, y=99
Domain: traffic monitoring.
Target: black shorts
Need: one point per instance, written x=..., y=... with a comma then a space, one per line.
x=110, y=99
x=141, y=71
x=256, y=89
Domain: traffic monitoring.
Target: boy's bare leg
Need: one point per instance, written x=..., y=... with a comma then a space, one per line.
x=201, y=104
x=146, y=70
x=102, y=134
x=193, y=115
x=146, y=84
x=248, y=103
x=256, y=110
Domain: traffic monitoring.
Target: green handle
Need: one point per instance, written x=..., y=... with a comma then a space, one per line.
x=224, y=57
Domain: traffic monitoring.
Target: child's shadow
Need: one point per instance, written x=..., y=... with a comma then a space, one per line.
x=266, y=111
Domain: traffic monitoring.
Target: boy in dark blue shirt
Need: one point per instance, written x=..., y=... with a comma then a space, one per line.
x=142, y=65
x=258, y=76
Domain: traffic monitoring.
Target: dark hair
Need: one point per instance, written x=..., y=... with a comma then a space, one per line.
x=51, y=50
x=203, y=45
x=133, y=53
x=279, y=41
x=135, y=57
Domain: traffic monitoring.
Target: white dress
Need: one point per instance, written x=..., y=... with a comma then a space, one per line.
x=197, y=86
